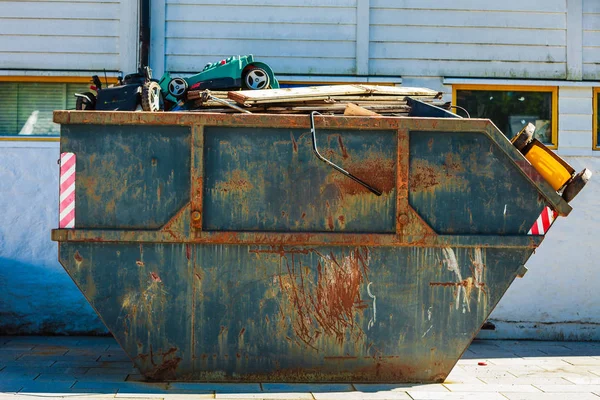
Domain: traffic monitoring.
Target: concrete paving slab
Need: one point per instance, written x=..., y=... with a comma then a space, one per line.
x=360, y=395
x=47, y=387
x=584, y=380
x=514, y=370
x=455, y=396
x=278, y=396
x=582, y=360
x=307, y=387
x=526, y=381
x=388, y=387
x=216, y=387
x=549, y=396
x=460, y=387
x=568, y=388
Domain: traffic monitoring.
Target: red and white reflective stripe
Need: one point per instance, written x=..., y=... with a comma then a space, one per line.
x=544, y=222
x=67, y=191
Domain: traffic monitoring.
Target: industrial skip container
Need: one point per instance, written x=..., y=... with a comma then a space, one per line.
x=219, y=247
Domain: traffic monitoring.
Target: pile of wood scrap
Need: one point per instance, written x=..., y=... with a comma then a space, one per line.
x=383, y=100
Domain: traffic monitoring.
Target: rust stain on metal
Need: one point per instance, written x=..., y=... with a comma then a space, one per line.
x=423, y=176
x=294, y=143
x=155, y=277
x=342, y=147
x=238, y=182
x=279, y=250
x=78, y=258
x=188, y=251
x=140, y=263
x=164, y=368
x=378, y=172
x=242, y=331
x=331, y=306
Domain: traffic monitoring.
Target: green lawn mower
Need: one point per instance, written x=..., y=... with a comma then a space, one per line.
x=233, y=73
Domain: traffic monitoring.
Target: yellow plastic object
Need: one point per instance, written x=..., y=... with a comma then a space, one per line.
x=554, y=173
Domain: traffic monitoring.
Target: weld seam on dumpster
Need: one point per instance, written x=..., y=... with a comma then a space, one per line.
x=293, y=239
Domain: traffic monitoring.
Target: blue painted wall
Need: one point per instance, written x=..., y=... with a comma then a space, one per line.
x=36, y=295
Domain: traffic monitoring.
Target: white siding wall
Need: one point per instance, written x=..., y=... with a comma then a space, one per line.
x=575, y=121
x=68, y=35
x=302, y=36
x=469, y=38
x=591, y=39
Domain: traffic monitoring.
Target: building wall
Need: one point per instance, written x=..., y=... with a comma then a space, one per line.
x=36, y=295
x=591, y=39
x=419, y=42
x=68, y=36
x=300, y=37
x=507, y=39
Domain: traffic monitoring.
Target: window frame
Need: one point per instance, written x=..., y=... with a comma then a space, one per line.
x=522, y=88
x=44, y=79
x=595, y=116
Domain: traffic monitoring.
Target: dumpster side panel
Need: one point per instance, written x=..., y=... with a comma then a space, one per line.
x=270, y=180
x=260, y=313
x=486, y=192
x=128, y=176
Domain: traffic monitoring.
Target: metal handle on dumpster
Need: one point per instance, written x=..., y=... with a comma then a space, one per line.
x=343, y=171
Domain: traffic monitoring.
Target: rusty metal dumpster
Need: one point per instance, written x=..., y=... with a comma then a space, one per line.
x=217, y=247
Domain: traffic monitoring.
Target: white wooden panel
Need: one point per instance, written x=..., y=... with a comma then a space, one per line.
x=61, y=35
x=591, y=72
x=574, y=40
x=64, y=27
x=577, y=139
x=569, y=105
x=291, y=65
x=445, y=34
x=591, y=6
x=321, y=15
x=467, y=69
x=591, y=22
x=60, y=44
x=264, y=31
x=582, y=93
x=591, y=39
x=591, y=55
x=262, y=3
x=469, y=38
x=157, y=37
x=467, y=52
x=475, y=5
x=472, y=18
x=60, y=10
x=293, y=37
x=96, y=62
x=575, y=122
x=274, y=48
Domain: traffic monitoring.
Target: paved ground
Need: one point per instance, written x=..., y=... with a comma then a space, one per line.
x=96, y=368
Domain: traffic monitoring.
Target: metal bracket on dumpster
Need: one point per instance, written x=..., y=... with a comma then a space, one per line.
x=336, y=167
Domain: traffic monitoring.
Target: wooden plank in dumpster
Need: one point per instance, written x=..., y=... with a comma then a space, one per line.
x=226, y=251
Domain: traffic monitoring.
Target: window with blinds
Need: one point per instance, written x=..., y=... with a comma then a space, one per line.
x=27, y=106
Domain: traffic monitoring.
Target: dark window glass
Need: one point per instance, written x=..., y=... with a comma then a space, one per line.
x=510, y=111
